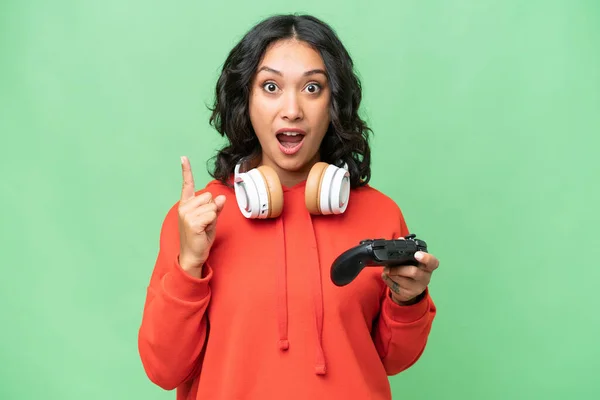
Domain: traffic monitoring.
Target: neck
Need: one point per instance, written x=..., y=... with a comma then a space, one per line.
x=289, y=178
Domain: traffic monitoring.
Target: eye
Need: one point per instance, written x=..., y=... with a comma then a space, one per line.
x=313, y=88
x=270, y=87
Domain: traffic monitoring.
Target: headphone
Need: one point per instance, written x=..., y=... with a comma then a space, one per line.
x=259, y=193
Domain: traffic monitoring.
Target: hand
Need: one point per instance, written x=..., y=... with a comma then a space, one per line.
x=408, y=282
x=197, y=222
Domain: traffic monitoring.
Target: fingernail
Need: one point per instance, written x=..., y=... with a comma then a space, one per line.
x=181, y=158
x=419, y=255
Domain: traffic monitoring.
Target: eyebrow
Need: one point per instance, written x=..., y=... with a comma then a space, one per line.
x=307, y=73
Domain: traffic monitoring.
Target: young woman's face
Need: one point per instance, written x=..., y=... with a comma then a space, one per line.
x=289, y=108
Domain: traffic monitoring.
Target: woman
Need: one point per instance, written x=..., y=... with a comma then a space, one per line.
x=240, y=304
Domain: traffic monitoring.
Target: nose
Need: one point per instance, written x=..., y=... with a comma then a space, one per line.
x=291, y=107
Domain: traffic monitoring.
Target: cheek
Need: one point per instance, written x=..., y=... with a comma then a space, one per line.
x=261, y=110
x=258, y=112
x=322, y=116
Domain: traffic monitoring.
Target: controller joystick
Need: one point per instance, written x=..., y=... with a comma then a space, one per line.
x=375, y=252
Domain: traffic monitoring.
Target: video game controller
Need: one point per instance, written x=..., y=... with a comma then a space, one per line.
x=375, y=252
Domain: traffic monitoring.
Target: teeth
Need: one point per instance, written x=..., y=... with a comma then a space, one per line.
x=290, y=133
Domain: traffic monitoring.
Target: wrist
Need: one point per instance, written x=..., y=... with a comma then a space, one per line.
x=190, y=268
x=407, y=302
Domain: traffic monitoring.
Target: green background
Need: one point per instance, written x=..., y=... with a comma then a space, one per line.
x=486, y=120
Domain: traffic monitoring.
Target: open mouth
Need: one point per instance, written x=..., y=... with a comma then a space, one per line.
x=290, y=139
x=290, y=142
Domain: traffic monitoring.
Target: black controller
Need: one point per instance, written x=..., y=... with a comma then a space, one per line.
x=375, y=252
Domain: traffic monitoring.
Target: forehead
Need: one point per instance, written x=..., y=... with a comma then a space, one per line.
x=291, y=57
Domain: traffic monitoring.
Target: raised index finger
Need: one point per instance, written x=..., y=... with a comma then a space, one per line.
x=187, y=191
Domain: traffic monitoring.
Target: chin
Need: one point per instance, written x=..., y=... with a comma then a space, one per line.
x=292, y=164
x=296, y=163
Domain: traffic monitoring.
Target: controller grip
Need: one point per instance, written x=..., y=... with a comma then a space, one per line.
x=348, y=265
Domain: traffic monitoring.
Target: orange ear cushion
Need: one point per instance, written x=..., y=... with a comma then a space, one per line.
x=312, y=192
x=274, y=190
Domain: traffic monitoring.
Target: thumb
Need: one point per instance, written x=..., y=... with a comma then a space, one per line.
x=220, y=202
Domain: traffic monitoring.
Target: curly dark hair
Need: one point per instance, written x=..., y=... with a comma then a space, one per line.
x=347, y=137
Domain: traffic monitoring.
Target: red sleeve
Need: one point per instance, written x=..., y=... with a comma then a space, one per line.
x=174, y=322
x=401, y=332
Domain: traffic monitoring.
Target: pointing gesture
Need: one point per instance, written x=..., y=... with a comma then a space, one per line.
x=197, y=222
x=188, y=190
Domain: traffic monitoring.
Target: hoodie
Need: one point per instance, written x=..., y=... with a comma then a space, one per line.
x=264, y=321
